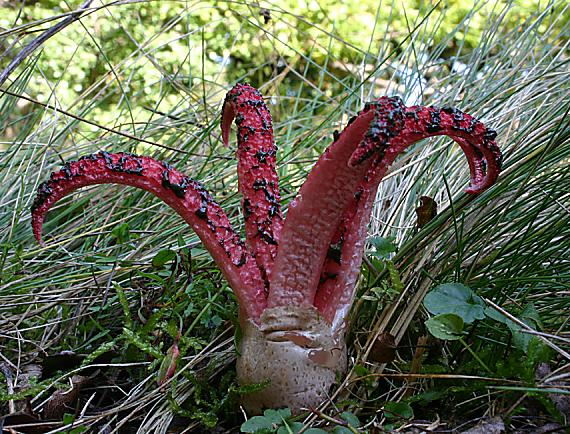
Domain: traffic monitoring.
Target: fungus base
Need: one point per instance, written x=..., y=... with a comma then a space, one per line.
x=297, y=351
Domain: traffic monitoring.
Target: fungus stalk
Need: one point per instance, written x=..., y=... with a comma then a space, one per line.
x=294, y=278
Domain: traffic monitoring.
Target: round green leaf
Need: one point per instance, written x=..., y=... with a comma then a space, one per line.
x=457, y=299
x=350, y=418
x=398, y=410
x=256, y=424
x=162, y=257
x=383, y=247
x=291, y=428
x=341, y=430
x=447, y=326
x=277, y=416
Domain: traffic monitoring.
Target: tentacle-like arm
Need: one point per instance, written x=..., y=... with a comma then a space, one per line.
x=342, y=265
x=477, y=141
x=186, y=196
x=315, y=214
x=340, y=270
x=258, y=181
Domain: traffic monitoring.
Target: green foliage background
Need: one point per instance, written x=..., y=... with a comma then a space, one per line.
x=120, y=54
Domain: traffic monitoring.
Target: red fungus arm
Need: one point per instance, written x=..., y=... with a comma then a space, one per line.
x=186, y=196
x=340, y=271
x=258, y=181
x=342, y=265
x=316, y=212
x=477, y=141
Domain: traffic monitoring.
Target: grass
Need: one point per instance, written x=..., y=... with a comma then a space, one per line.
x=95, y=291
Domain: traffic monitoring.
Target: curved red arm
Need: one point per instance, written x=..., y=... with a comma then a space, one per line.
x=332, y=211
x=258, y=180
x=476, y=140
x=186, y=196
x=340, y=270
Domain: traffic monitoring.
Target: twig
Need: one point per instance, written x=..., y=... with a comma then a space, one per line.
x=526, y=328
x=37, y=42
x=9, y=386
x=415, y=376
x=333, y=420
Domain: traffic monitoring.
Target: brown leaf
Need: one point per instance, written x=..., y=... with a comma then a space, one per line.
x=384, y=349
x=61, y=400
x=168, y=365
x=426, y=211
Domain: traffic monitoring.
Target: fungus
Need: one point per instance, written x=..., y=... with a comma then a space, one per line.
x=295, y=278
